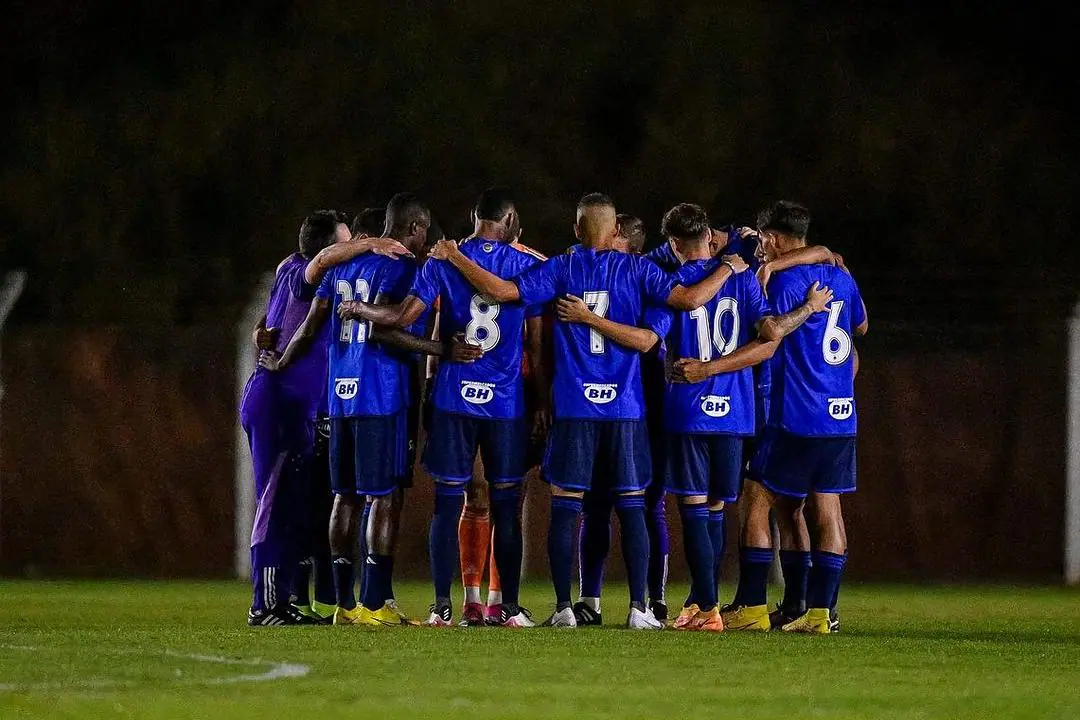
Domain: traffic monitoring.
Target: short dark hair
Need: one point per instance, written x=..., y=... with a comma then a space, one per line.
x=434, y=234
x=317, y=231
x=595, y=200
x=787, y=217
x=406, y=208
x=494, y=203
x=632, y=228
x=370, y=221
x=685, y=221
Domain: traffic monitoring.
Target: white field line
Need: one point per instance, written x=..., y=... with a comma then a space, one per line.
x=275, y=671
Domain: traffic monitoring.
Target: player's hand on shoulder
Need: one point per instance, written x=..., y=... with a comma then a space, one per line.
x=270, y=361
x=443, y=249
x=573, y=309
x=737, y=263
x=839, y=260
x=388, y=247
x=457, y=350
x=818, y=297
x=688, y=370
x=265, y=338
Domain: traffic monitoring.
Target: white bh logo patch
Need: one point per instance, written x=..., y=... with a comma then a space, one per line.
x=345, y=388
x=477, y=393
x=488, y=247
x=716, y=406
x=600, y=394
x=841, y=408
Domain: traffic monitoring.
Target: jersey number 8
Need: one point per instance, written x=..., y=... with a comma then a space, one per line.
x=482, y=329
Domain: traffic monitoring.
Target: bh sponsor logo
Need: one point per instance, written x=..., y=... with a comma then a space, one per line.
x=716, y=406
x=841, y=408
x=477, y=393
x=600, y=394
x=345, y=388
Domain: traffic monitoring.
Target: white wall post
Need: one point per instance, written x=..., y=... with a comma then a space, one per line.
x=244, y=481
x=13, y=285
x=1072, y=452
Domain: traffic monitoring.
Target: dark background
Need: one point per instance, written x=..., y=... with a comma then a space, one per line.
x=156, y=159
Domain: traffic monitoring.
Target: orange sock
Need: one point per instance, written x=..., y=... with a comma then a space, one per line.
x=494, y=586
x=474, y=533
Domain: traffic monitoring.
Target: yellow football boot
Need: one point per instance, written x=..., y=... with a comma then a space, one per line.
x=685, y=616
x=323, y=610
x=349, y=617
x=386, y=616
x=746, y=617
x=814, y=622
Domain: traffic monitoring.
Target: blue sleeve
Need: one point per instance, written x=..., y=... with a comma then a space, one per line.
x=428, y=282
x=659, y=318
x=540, y=284
x=755, y=306
x=655, y=283
x=326, y=287
x=858, y=312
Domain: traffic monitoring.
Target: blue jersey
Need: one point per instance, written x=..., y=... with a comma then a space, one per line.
x=365, y=378
x=595, y=378
x=723, y=403
x=491, y=387
x=665, y=257
x=813, y=386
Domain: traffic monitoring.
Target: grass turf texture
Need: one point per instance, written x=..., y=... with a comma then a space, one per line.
x=125, y=649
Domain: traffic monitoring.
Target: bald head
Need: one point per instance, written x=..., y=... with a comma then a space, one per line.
x=597, y=222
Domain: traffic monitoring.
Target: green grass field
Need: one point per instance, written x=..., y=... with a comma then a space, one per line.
x=180, y=649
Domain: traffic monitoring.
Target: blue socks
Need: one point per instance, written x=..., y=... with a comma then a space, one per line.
x=754, y=565
x=564, y=517
x=344, y=581
x=795, y=565
x=699, y=554
x=443, y=537
x=718, y=536
x=825, y=574
x=659, y=547
x=635, y=543
x=595, y=542
x=507, y=540
x=377, y=573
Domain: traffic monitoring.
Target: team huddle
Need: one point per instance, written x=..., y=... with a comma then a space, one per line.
x=718, y=367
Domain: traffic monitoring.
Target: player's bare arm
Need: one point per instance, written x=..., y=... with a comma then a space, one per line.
x=264, y=338
x=302, y=339
x=454, y=350
x=534, y=346
x=694, y=296
x=755, y=352
x=812, y=255
x=493, y=286
x=399, y=315
x=341, y=252
x=778, y=327
x=573, y=309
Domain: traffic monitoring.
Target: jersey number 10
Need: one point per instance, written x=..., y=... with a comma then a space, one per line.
x=706, y=343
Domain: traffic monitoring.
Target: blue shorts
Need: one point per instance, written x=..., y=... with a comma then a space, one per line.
x=796, y=466
x=368, y=454
x=615, y=452
x=703, y=464
x=455, y=439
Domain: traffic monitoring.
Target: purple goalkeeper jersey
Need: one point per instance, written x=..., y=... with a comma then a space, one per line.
x=303, y=380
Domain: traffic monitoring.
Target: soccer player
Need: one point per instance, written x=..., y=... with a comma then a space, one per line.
x=478, y=407
x=707, y=419
x=278, y=414
x=809, y=444
x=598, y=429
x=369, y=397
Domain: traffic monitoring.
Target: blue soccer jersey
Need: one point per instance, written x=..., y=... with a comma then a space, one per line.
x=491, y=387
x=365, y=378
x=722, y=403
x=665, y=257
x=813, y=388
x=595, y=378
